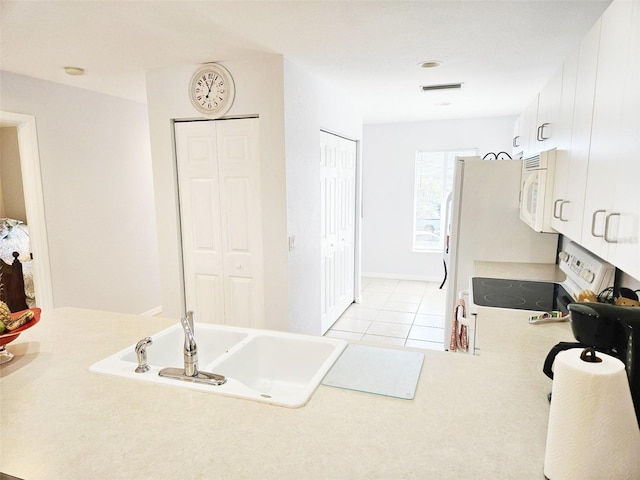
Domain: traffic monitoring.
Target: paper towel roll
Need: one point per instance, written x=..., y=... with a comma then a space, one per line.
x=593, y=432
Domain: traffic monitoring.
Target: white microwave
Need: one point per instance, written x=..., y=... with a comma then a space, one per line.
x=536, y=191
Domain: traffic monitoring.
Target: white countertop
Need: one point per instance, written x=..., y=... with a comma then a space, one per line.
x=525, y=271
x=473, y=416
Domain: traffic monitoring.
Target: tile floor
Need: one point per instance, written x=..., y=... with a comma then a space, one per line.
x=395, y=312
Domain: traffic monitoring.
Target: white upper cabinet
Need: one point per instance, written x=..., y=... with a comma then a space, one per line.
x=572, y=158
x=602, y=224
x=625, y=251
x=536, y=128
x=596, y=131
x=564, y=218
x=517, y=149
x=529, y=129
x=546, y=126
x=523, y=128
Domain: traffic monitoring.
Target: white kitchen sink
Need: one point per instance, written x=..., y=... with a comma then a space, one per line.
x=274, y=367
x=267, y=366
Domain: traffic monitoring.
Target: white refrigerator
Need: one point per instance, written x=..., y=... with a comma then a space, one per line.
x=483, y=221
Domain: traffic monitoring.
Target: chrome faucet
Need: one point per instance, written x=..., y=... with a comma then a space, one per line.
x=190, y=352
x=190, y=347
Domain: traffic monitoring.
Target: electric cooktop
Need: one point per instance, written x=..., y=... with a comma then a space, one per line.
x=520, y=294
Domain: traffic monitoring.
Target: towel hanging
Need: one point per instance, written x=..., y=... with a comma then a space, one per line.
x=459, y=335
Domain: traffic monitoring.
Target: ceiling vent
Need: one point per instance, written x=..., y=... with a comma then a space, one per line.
x=444, y=86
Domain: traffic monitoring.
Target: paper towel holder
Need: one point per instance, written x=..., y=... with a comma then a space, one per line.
x=589, y=355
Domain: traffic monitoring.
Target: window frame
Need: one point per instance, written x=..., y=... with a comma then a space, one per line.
x=447, y=162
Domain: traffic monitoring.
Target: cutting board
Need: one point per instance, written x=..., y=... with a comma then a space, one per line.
x=383, y=371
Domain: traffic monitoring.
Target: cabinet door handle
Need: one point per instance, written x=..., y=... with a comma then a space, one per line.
x=538, y=134
x=560, y=216
x=593, y=223
x=555, y=208
x=607, y=224
x=515, y=141
x=541, y=129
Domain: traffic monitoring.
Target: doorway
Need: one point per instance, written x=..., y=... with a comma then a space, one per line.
x=34, y=202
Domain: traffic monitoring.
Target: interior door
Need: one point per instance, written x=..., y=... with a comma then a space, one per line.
x=328, y=230
x=196, y=154
x=337, y=226
x=241, y=221
x=346, y=211
x=219, y=194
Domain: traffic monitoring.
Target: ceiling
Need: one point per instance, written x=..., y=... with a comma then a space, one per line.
x=504, y=51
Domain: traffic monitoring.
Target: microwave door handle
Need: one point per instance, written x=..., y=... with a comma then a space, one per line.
x=524, y=206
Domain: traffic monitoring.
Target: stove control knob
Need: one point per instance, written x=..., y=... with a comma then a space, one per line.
x=563, y=256
x=587, y=275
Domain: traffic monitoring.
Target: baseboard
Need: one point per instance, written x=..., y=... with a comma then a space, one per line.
x=398, y=276
x=153, y=312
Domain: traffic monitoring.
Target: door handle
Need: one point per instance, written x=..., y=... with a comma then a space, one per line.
x=560, y=216
x=541, y=130
x=593, y=223
x=607, y=224
x=555, y=208
x=515, y=141
x=538, y=134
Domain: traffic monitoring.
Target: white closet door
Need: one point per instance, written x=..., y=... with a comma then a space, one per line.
x=219, y=193
x=328, y=230
x=337, y=226
x=346, y=220
x=239, y=179
x=196, y=152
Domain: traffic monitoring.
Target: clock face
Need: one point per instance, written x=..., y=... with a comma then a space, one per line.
x=211, y=90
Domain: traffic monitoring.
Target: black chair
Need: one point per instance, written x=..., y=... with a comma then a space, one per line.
x=12, y=285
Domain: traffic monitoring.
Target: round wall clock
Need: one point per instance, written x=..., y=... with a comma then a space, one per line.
x=211, y=90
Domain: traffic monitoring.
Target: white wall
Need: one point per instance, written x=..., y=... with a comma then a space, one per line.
x=309, y=107
x=259, y=91
x=292, y=107
x=388, y=176
x=11, y=194
x=96, y=176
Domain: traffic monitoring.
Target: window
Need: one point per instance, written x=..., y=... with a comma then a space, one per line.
x=433, y=182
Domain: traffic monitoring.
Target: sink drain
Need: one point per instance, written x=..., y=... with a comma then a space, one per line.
x=264, y=395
